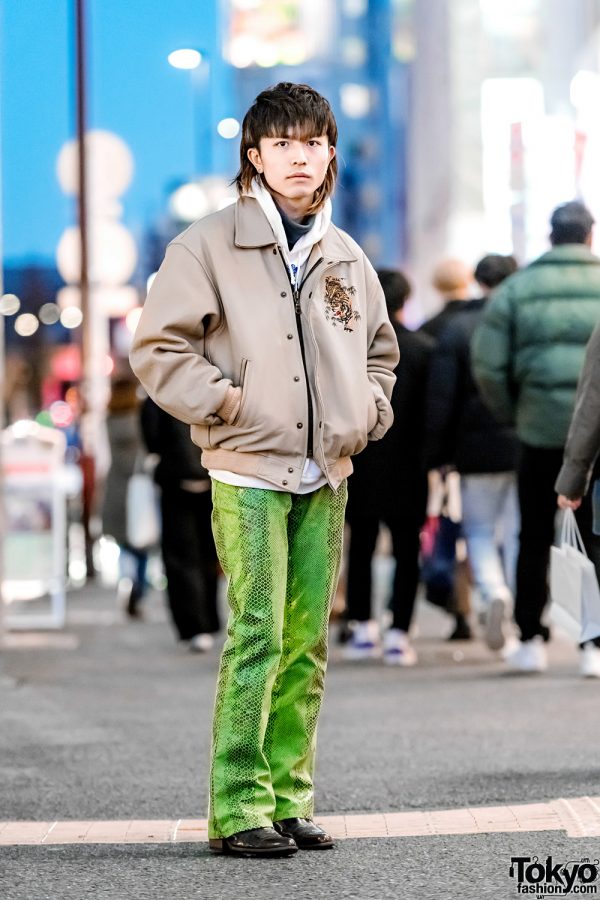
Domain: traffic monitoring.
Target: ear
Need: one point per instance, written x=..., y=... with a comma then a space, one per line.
x=254, y=157
x=332, y=152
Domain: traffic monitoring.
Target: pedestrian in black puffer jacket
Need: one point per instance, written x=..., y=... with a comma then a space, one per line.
x=187, y=544
x=389, y=486
x=462, y=433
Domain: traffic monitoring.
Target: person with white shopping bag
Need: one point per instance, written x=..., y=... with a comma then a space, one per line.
x=580, y=468
x=527, y=354
x=574, y=589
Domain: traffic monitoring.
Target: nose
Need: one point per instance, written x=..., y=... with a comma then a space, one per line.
x=299, y=157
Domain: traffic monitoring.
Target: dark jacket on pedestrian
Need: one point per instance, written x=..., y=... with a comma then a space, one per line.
x=389, y=473
x=461, y=431
x=170, y=439
x=435, y=326
x=529, y=347
x=583, y=441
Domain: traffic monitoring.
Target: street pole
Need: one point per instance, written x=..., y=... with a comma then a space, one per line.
x=86, y=330
x=2, y=402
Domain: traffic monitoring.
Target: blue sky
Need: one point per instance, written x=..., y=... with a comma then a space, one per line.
x=132, y=91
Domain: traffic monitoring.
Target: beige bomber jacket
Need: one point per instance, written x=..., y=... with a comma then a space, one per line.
x=221, y=312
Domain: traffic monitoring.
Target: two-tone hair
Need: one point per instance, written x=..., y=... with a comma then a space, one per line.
x=288, y=110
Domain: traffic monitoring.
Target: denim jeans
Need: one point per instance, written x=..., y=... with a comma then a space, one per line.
x=490, y=524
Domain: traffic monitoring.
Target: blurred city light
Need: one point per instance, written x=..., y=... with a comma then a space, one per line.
x=185, y=59
x=71, y=317
x=228, y=128
x=188, y=203
x=9, y=305
x=243, y=50
x=49, y=314
x=110, y=170
x=113, y=253
x=354, y=51
x=355, y=8
x=199, y=198
x=61, y=414
x=355, y=100
x=26, y=324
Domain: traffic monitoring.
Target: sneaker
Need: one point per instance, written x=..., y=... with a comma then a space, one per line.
x=201, y=643
x=590, y=661
x=495, y=624
x=530, y=656
x=364, y=641
x=397, y=649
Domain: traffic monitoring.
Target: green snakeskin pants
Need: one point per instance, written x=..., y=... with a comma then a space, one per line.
x=281, y=553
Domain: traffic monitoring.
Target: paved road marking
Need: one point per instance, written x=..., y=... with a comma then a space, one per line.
x=578, y=816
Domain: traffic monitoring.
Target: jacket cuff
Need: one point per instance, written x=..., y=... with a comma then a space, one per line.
x=573, y=480
x=385, y=417
x=230, y=407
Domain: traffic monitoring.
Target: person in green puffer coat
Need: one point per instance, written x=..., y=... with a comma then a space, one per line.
x=527, y=355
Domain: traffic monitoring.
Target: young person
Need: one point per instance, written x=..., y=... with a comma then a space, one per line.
x=266, y=330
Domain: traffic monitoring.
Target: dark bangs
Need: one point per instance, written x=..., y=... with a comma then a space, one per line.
x=287, y=110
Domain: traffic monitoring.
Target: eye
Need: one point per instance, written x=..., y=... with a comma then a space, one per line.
x=281, y=143
x=314, y=142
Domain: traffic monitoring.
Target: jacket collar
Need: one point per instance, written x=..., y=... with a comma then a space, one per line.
x=252, y=229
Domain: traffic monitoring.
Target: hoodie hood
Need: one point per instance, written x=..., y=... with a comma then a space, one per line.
x=296, y=257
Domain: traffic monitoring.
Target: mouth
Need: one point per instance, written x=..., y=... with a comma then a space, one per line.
x=299, y=176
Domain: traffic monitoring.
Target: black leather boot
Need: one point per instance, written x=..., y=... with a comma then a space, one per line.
x=306, y=834
x=255, y=842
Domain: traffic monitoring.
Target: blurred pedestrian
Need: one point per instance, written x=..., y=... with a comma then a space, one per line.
x=126, y=451
x=452, y=279
x=462, y=433
x=528, y=352
x=187, y=544
x=447, y=579
x=389, y=486
x=580, y=467
x=266, y=329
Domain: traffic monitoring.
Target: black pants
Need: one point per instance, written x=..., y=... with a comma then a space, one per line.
x=190, y=561
x=405, y=532
x=538, y=472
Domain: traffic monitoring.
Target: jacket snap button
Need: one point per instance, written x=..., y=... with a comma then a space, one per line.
x=299, y=425
x=290, y=337
x=275, y=250
x=310, y=295
x=290, y=470
x=296, y=378
x=284, y=294
x=284, y=481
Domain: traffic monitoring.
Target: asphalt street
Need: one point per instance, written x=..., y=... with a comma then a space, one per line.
x=110, y=720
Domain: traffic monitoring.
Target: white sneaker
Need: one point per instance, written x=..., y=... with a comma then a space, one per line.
x=201, y=643
x=590, y=661
x=530, y=656
x=495, y=624
x=397, y=649
x=364, y=642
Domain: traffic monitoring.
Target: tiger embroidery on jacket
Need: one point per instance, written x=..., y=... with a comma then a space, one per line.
x=338, y=303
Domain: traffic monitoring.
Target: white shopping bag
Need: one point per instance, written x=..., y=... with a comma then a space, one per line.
x=573, y=585
x=142, y=511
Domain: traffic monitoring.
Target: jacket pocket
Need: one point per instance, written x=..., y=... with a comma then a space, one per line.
x=373, y=412
x=243, y=383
